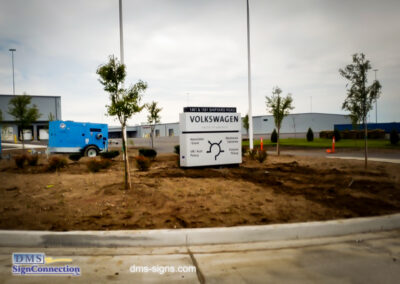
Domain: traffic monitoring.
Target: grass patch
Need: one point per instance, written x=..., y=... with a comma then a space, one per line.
x=327, y=143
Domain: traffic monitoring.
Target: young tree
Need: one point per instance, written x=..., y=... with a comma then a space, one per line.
x=360, y=96
x=23, y=114
x=246, y=123
x=124, y=103
x=51, y=117
x=153, y=118
x=279, y=107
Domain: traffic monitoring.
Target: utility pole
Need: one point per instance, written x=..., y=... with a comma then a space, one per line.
x=121, y=33
x=249, y=80
x=376, y=101
x=12, y=56
x=121, y=50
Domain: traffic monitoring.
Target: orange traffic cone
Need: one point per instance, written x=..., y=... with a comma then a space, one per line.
x=331, y=151
x=261, y=144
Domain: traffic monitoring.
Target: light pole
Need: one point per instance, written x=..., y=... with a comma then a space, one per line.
x=12, y=56
x=121, y=33
x=376, y=101
x=249, y=79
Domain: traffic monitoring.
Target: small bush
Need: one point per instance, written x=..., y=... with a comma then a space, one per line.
x=95, y=166
x=142, y=163
x=310, y=135
x=20, y=160
x=148, y=153
x=56, y=163
x=177, y=149
x=326, y=134
x=75, y=157
x=337, y=135
x=33, y=159
x=261, y=155
x=245, y=149
x=110, y=154
x=274, y=136
x=252, y=154
x=394, y=137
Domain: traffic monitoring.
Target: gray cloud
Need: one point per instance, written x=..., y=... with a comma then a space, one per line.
x=195, y=51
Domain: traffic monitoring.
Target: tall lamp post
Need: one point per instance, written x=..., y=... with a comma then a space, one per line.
x=12, y=56
x=249, y=80
x=376, y=101
x=121, y=33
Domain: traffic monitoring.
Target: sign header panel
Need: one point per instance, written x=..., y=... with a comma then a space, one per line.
x=209, y=109
x=203, y=121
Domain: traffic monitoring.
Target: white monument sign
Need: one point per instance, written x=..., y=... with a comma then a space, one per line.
x=210, y=136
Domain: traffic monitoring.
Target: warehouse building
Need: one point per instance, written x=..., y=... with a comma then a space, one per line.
x=49, y=108
x=293, y=125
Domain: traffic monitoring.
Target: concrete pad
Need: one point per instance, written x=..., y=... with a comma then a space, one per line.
x=374, y=261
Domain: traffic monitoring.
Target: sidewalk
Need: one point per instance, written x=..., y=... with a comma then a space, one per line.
x=358, y=258
x=343, y=251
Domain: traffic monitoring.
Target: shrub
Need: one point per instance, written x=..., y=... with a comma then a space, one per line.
x=75, y=157
x=337, y=135
x=148, y=153
x=252, y=154
x=142, y=163
x=95, y=166
x=376, y=134
x=56, y=163
x=21, y=160
x=394, y=137
x=177, y=149
x=326, y=134
x=33, y=159
x=110, y=154
x=245, y=149
x=261, y=155
x=274, y=136
x=310, y=135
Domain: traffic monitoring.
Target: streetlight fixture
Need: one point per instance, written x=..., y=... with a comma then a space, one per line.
x=12, y=56
x=376, y=101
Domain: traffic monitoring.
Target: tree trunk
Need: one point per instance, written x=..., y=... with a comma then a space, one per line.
x=152, y=138
x=277, y=142
x=365, y=144
x=23, y=142
x=127, y=177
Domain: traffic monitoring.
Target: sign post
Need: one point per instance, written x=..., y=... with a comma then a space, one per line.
x=210, y=136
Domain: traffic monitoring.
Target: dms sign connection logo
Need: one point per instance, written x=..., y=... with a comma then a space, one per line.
x=39, y=264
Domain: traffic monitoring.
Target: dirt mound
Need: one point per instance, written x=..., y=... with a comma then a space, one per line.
x=282, y=189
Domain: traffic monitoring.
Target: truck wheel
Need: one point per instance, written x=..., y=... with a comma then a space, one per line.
x=91, y=151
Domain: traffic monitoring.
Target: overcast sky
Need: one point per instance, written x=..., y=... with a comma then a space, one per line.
x=194, y=52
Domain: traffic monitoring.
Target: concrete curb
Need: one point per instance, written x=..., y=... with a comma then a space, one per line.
x=383, y=160
x=204, y=236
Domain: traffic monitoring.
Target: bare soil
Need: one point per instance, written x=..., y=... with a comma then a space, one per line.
x=283, y=189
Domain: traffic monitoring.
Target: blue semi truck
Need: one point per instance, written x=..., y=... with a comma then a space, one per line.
x=89, y=139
